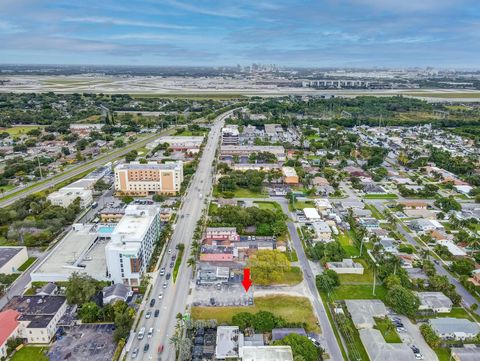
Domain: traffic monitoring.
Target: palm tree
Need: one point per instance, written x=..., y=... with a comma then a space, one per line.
x=191, y=262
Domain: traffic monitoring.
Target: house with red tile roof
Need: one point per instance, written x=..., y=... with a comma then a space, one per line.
x=9, y=329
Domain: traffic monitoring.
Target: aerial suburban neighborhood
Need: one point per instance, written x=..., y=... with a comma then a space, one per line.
x=227, y=230
x=241, y=180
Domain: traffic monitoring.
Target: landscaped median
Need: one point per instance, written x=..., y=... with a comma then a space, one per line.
x=178, y=261
x=291, y=308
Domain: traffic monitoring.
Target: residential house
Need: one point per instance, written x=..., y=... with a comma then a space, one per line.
x=346, y=266
x=454, y=328
x=434, y=301
x=115, y=292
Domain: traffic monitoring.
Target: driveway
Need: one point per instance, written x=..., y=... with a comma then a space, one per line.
x=414, y=337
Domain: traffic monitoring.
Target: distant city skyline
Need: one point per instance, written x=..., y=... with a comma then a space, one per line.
x=325, y=33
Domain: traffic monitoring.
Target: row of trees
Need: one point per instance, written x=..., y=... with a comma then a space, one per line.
x=265, y=221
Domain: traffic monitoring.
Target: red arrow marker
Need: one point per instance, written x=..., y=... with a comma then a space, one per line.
x=246, y=282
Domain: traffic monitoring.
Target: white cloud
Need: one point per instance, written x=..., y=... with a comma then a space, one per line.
x=9, y=28
x=125, y=22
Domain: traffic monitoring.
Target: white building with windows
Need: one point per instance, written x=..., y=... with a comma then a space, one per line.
x=132, y=242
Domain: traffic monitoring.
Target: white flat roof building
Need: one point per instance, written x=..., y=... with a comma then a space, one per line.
x=66, y=196
x=266, y=353
x=132, y=242
x=178, y=142
x=81, y=250
x=311, y=214
x=435, y=301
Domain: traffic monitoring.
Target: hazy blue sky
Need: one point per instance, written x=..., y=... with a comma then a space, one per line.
x=441, y=33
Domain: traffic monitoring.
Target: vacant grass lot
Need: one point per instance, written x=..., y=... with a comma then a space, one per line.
x=30, y=353
x=359, y=292
x=22, y=129
x=348, y=245
x=246, y=193
x=273, y=206
x=292, y=309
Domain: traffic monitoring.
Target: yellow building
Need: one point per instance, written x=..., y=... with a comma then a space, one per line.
x=137, y=179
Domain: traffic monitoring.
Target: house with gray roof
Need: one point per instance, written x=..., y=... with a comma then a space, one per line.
x=363, y=312
x=115, y=292
x=434, y=301
x=454, y=328
x=379, y=350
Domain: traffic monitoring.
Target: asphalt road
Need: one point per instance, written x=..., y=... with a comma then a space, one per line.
x=175, y=295
x=70, y=173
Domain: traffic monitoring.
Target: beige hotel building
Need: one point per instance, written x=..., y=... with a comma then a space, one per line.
x=137, y=179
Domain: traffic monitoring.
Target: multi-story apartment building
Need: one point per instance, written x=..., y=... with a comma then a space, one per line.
x=39, y=316
x=132, y=242
x=152, y=178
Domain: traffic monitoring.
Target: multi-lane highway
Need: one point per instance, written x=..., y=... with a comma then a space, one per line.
x=72, y=172
x=174, y=295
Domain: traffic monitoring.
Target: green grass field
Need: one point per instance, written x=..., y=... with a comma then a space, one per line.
x=30, y=353
x=6, y=188
x=302, y=205
x=366, y=278
x=375, y=212
x=388, y=331
x=273, y=206
x=292, y=309
x=348, y=245
x=246, y=193
x=22, y=129
x=203, y=96
x=381, y=196
x=27, y=263
x=358, y=292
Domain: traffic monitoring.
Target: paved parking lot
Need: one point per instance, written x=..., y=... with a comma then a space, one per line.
x=412, y=336
x=227, y=295
x=85, y=342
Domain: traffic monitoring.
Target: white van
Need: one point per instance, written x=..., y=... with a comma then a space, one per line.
x=141, y=333
x=150, y=332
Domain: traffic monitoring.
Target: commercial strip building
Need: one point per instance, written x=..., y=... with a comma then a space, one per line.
x=11, y=258
x=82, y=189
x=246, y=150
x=107, y=252
x=152, y=178
x=180, y=143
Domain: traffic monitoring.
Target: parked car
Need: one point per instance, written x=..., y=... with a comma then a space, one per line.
x=315, y=342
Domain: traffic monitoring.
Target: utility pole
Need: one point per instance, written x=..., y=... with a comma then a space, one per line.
x=39, y=167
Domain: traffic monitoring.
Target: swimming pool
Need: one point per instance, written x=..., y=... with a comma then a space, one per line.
x=105, y=229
